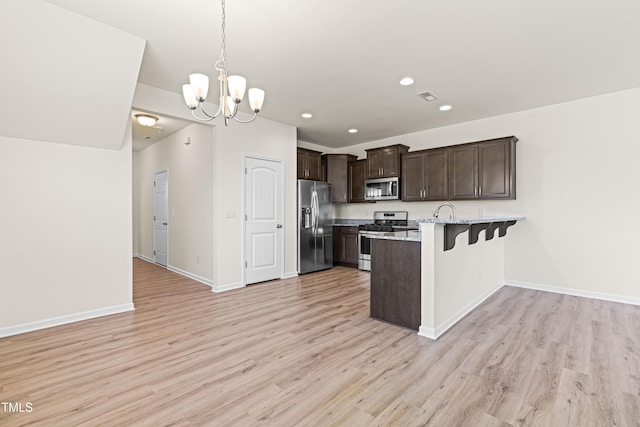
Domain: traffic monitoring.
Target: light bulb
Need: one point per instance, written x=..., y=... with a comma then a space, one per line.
x=237, y=86
x=189, y=97
x=256, y=99
x=200, y=86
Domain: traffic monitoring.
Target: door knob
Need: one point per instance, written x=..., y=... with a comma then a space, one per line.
x=279, y=226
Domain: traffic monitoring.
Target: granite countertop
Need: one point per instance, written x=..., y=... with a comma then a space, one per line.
x=472, y=220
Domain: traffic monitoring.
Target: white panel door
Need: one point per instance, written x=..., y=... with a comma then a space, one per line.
x=160, y=217
x=263, y=220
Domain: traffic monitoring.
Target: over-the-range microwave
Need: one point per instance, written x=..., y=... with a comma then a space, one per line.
x=381, y=189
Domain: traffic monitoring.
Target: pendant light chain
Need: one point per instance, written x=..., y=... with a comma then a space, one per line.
x=221, y=62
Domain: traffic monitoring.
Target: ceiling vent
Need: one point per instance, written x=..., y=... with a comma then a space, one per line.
x=427, y=96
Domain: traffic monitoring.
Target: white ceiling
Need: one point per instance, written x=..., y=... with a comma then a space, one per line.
x=342, y=60
x=144, y=136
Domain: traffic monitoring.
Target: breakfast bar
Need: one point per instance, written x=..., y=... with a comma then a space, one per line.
x=442, y=271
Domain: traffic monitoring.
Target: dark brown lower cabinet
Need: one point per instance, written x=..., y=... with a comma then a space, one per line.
x=395, y=282
x=345, y=246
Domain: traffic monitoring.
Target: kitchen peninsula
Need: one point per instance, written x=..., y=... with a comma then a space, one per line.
x=430, y=279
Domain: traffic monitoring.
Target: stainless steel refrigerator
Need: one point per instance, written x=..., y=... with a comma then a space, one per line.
x=315, y=242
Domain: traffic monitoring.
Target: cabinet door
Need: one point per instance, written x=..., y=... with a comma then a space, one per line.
x=338, y=175
x=302, y=164
x=314, y=166
x=350, y=247
x=495, y=175
x=463, y=172
x=337, y=244
x=390, y=158
x=357, y=171
x=412, y=182
x=436, y=175
x=374, y=164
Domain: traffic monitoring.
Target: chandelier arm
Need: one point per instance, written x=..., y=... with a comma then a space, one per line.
x=205, y=119
x=246, y=121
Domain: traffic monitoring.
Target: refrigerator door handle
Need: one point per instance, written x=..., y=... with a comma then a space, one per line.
x=317, y=212
x=314, y=196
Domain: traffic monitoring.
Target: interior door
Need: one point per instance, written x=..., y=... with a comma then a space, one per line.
x=160, y=217
x=263, y=220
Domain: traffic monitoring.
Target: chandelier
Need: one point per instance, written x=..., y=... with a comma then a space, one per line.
x=232, y=90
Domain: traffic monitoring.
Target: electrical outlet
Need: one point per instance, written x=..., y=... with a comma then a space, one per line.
x=198, y=259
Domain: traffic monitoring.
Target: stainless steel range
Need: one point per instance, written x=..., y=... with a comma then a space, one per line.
x=384, y=222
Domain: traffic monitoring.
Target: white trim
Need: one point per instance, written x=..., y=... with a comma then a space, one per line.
x=427, y=333
x=176, y=270
x=290, y=275
x=63, y=320
x=447, y=324
x=144, y=258
x=575, y=292
x=227, y=287
x=195, y=277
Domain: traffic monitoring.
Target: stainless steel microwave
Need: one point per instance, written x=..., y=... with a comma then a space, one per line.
x=381, y=189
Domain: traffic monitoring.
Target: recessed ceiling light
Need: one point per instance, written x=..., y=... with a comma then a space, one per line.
x=445, y=107
x=307, y=115
x=407, y=81
x=353, y=130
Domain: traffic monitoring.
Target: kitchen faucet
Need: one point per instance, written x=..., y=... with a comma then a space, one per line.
x=453, y=210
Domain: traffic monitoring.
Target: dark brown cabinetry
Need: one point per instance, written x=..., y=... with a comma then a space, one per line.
x=345, y=246
x=463, y=172
x=425, y=175
x=357, y=172
x=338, y=175
x=395, y=282
x=309, y=164
x=483, y=170
x=384, y=162
x=496, y=169
x=477, y=170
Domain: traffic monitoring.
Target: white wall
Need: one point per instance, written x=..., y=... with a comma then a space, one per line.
x=65, y=239
x=577, y=184
x=190, y=171
x=261, y=137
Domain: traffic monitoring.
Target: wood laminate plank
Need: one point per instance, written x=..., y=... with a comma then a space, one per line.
x=303, y=351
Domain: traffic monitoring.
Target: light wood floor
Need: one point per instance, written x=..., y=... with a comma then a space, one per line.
x=303, y=351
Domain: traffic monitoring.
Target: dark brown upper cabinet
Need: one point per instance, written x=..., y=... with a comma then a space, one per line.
x=338, y=175
x=309, y=164
x=357, y=172
x=483, y=170
x=384, y=162
x=497, y=169
x=477, y=170
x=463, y=172
x=425, y=175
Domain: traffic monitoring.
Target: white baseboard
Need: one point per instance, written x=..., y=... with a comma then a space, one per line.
x=227, y=287
x=179, y=271
x=195, y=277
x=289, y=275
x=63, y=320
x=575, y=292
x=144, y=258
x=434, y=333
x=427, y=333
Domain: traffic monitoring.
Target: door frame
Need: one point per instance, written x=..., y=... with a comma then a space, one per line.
x=154, y=211
x=244, y=259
